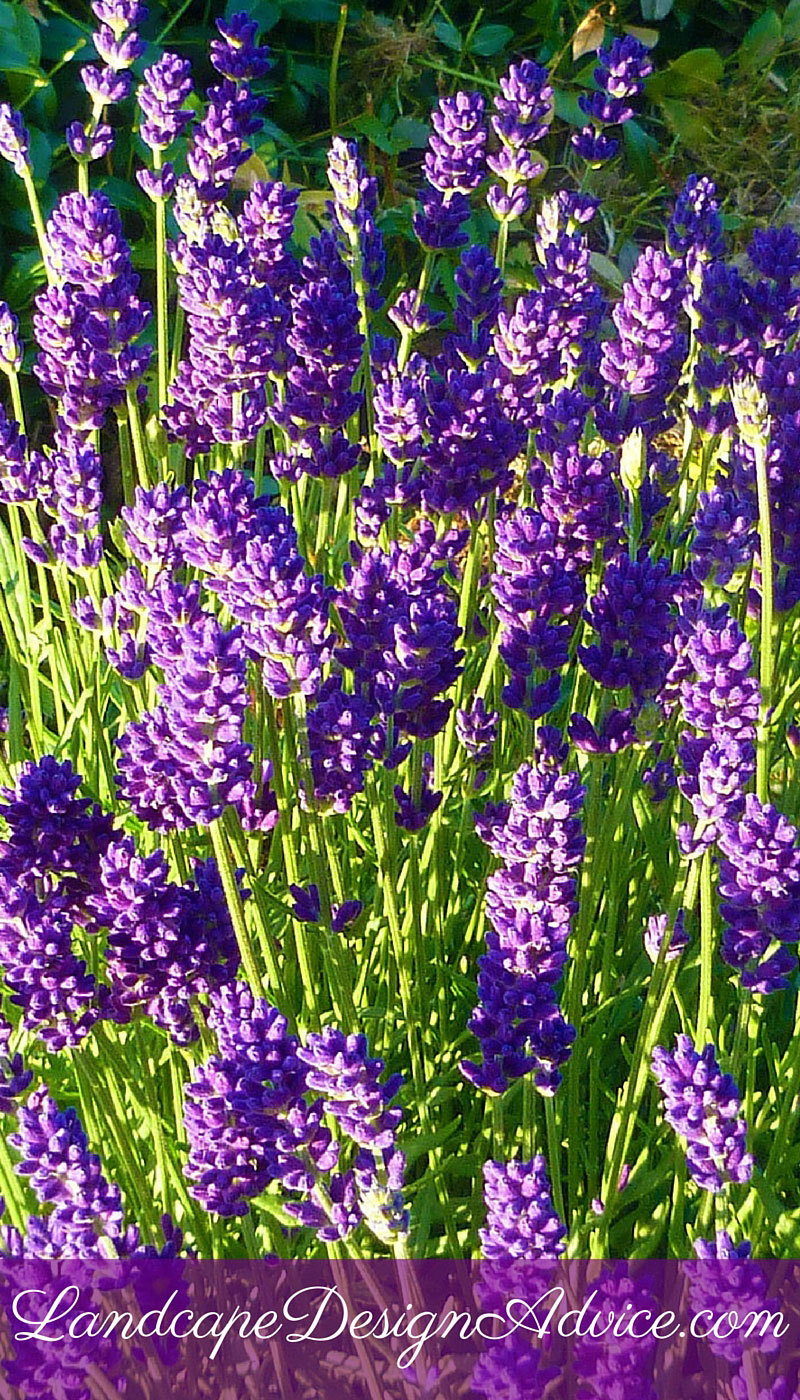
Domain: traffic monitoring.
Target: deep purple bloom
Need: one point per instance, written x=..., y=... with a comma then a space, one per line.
x=725, y=536
x=537, y=589
x=521, y=117
x=632, y=617
x=703, y=1106
x=14, y=139
x=237, y=333
x=521, y=1222
x=530, y=903
x=266, y=223
x=78, y=483
x=89, y=323
x=341, y=742
x=85, y=1209
x=167, y=943
x=236, y=55
x=620, y=76
x=219, y=141
x=759, y=893
x=88, y=143
x=455, y=160
x=18, y=473
x=400, y=628
x=167, y=85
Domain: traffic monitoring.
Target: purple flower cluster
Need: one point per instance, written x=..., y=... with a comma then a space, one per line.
x=522, y=113
x=759, y=889
x=49, y=873
x=720, y=700
x=118, y=45
x=703, y=1105
x=256, y=1112
x=167, y=943
x=619, y=76
x=237, y=340
x=400, y=629
x=521, y=1222
x=632, y=616
x=537, y=590
x=89, y=321
x=530, y=903
x=455, y=165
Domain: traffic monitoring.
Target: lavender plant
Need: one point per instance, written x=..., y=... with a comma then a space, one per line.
x=409, y=758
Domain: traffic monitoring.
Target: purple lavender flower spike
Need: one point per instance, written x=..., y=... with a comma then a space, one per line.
x=704, y=1107
x=537, y=590
x=724, y=540
x=646, y=359
x=219, y=141
x=89, y=323
x=237, y=333
x=476, y=728
x=455, y=159
x=14, y=139
x=266, y=224
x=632, y=617
x=89, y=143
x=620, y=76
x=759, y=894
x=167, y=943
x=341, y=742
x=522, y=113
x=530, y=903
x=78, y=482
x=18, y=469
x=656, y=928
x=166, y=87
x=11, y=349
x=604, y=1364
x=521, y=1222
x=86, y=1214
x=236, y=55
x=59, y=998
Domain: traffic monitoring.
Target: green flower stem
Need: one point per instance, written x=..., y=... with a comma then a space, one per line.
x=425, y=281
x=706, y=951
x=219, y=841
x=333, y=77
x=38, y=222
x=554, y=1154
x=306, y=961
x=137, y=438
x=101, y=1090
x=766, y=657
x=659, y=996
x=162, y=303
x=35, y=721
x=12, y=1188
x=267, y=944
x=387, y=873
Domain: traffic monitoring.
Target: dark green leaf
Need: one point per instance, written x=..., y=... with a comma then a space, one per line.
x=692, y=72
x=490, y=39
x=448, y=35
x=762, y=41
x=376, y=132
x=640, y=148
x=264, y=12
x=408, y=133
x=312, y=11
x=566, y=107
x=791, y=22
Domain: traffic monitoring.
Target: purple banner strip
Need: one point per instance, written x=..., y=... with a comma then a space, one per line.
x=155, y=1329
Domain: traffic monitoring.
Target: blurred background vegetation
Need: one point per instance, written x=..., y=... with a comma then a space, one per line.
x=724, y=99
